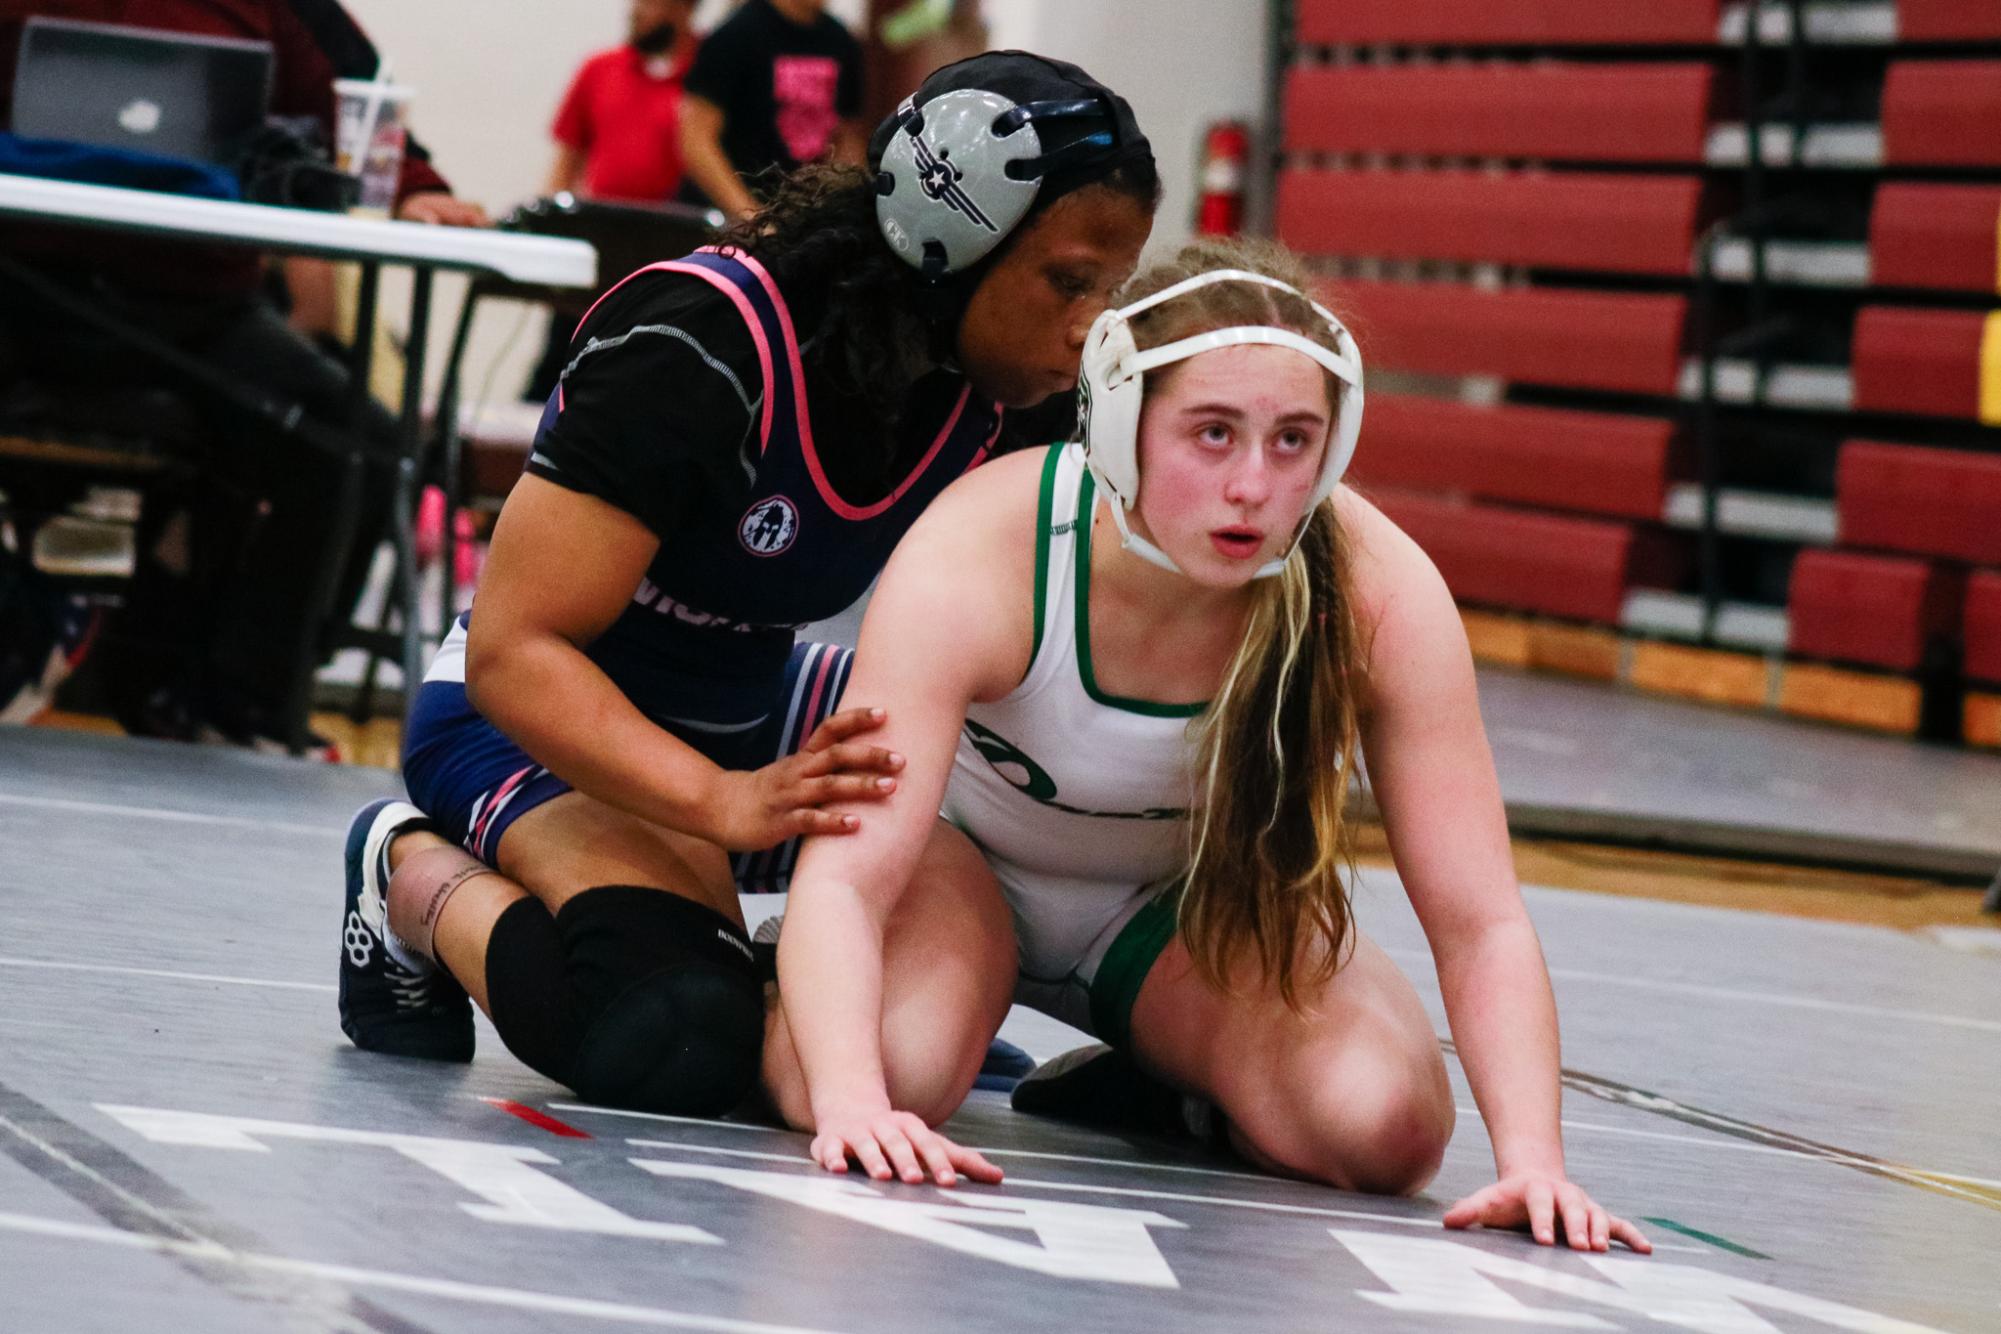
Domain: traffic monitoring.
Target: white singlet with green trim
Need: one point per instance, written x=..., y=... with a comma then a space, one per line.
x=1079, y=799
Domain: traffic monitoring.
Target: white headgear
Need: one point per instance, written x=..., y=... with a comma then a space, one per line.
x=1111, y=388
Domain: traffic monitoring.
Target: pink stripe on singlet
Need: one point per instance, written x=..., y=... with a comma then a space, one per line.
x=749, y=314
x=743, y=307
x=808, y=719
x=806, y=445
x=819, y=661
x=492, y=808
x=980, y=455
x=646, y=268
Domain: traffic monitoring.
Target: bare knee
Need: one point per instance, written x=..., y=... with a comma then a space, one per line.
x=929, y=1062
x=933, y=1081
x=1397, y=1140
x=949, y=968
x=948, y=975
x=934, y=1039
x=1361, y=1123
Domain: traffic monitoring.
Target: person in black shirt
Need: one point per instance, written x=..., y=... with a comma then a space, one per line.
x=776, y=85
x=738, y=441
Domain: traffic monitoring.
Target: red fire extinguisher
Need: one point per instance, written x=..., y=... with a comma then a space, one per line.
x=1225, y=156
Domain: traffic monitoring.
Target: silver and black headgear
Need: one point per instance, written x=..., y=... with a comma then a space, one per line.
x=984, y=145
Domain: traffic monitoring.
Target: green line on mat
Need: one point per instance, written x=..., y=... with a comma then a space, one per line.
x=1709, y=1237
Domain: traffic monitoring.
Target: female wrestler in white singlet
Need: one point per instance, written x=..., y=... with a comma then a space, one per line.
x=1140, y=707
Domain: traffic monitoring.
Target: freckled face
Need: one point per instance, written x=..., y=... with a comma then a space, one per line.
x=1230, y=445
x=1022, y=335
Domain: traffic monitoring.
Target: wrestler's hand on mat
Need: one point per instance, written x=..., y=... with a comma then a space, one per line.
x=1536, y=1201
x=891, y=1144
x=756, y=808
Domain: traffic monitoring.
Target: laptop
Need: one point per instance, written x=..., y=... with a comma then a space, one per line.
x=173, y=94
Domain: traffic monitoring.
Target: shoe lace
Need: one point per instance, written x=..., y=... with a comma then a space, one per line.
x=412, y=991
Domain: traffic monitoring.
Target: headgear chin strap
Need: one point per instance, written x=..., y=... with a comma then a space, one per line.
x=1111, y=390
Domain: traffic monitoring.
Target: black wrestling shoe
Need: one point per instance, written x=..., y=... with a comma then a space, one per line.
x=386, y=1005
x=1098, y=1086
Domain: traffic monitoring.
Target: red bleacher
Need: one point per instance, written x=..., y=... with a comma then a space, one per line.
x=1948, y=20
x=1597, y=462
x=1944, y=236
x=1551, y=563
x=1613, y=224
x=1620, y=341
x=1983, y=626
x=1878, y=611
x=1923, y=361
x=1566, y=113
x=1942, y=113
x=1931, y=502
x=1518, y=23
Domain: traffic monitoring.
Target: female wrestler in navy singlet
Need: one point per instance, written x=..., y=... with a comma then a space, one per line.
x=739, y=440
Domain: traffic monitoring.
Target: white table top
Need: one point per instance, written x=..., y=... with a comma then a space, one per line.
x=554, y=261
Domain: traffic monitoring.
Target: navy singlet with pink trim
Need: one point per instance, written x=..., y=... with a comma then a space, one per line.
x=725, y=596
x=706, y=648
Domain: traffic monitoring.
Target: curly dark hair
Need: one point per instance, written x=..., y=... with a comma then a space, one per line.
x=817, y=237
x=874, y=335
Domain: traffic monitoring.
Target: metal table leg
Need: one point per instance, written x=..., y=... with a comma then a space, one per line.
x=411, y=430
x=450, y=448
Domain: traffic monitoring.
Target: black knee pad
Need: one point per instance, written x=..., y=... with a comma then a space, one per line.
x=669, y=1002
x=685, y=1041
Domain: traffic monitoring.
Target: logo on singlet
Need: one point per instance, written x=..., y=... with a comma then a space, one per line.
x=1033, y=781
x=769, y=526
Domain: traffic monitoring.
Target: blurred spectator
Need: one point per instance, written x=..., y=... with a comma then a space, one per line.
x=777, y=84
x=234, y=623
x=618, y=136
x=618, y=133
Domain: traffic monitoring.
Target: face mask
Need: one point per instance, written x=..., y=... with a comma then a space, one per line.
x=656, y=40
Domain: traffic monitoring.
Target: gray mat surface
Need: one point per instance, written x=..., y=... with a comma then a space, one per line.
x=1587, y=760
x=187, y=1142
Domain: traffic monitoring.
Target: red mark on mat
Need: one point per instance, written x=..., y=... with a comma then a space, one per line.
x=535, y=1118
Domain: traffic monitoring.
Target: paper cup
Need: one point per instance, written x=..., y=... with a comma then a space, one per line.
x=368, y=138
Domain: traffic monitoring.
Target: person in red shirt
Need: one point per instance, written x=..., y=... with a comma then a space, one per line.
x=618, y=132
x=618, y=137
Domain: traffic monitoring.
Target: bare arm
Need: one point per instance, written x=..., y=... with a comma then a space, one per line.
x=948, y=624
x=1433, y=778
x=567, y=173
x=527, y=672
x=706, y=162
